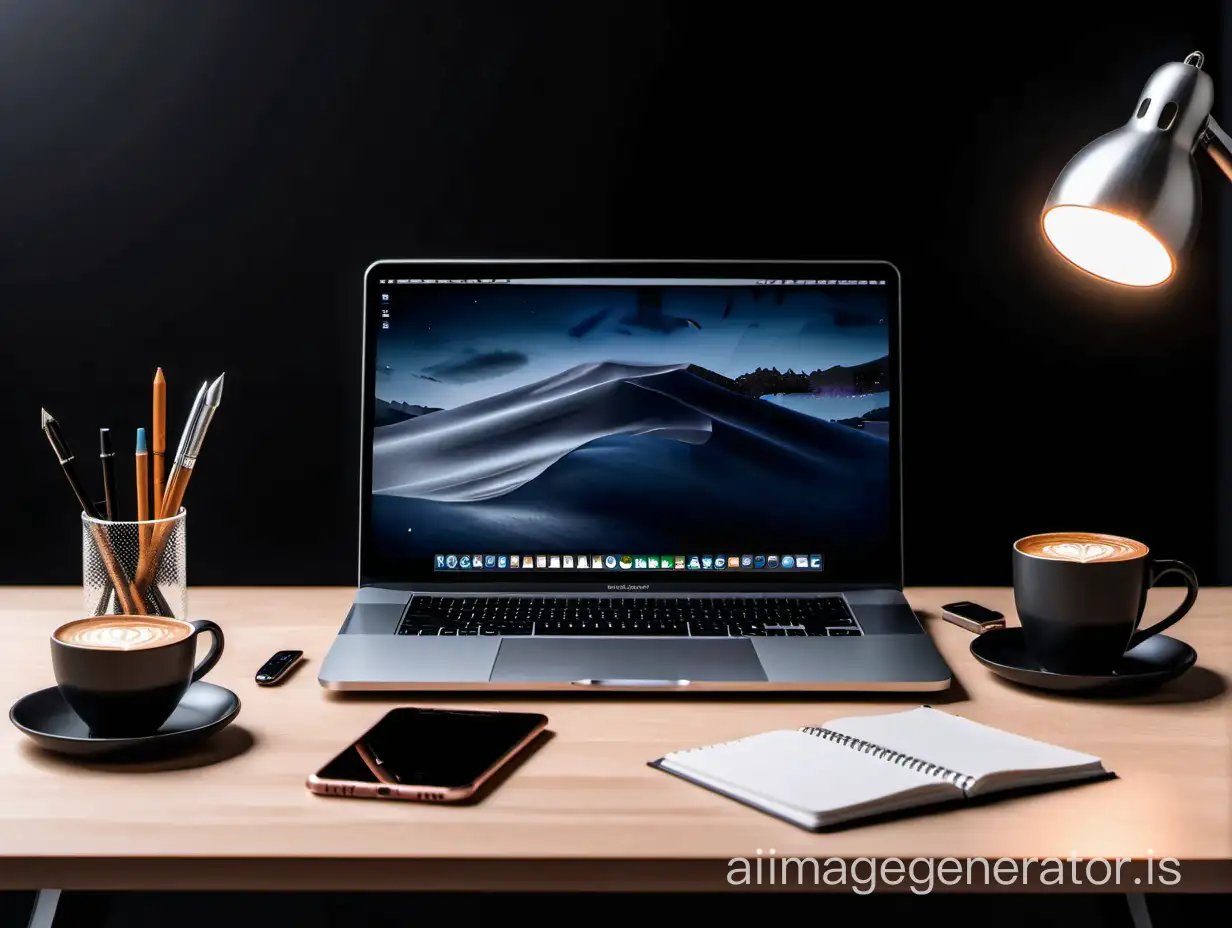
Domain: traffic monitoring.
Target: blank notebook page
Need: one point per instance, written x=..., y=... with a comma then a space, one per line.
x=969, y=748
x=805, y=772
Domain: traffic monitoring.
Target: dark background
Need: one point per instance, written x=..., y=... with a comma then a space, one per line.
x=200, y=186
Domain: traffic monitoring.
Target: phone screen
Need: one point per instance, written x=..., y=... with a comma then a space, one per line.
x=431, y=747
x=974, y=612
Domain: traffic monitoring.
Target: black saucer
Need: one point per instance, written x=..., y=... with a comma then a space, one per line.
x=47, y=718
x=1153, y=663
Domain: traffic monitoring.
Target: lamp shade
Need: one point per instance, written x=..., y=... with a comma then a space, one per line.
x=1126, y=206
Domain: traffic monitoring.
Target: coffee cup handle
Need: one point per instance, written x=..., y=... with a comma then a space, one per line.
x=215, y=652
x=1159, y=569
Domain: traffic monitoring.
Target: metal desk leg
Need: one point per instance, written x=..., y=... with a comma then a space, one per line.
x=43, y=915
x=1138, y=911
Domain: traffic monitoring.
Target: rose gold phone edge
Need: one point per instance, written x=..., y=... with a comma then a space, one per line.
x=354, y=789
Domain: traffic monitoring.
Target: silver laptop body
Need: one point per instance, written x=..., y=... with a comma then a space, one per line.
x=631, y=475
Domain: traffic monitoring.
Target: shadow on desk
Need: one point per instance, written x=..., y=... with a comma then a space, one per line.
x=378, y=910
x=228, y=743
x=956, y=693
x=1198, y=684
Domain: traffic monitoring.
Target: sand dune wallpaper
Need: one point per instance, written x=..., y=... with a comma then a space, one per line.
x=634, y=419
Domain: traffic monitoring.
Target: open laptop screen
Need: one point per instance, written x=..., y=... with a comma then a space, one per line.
x=714, y=428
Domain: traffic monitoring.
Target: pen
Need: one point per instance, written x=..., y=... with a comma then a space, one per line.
x=208, y=399
x=115, y=572
x=193, y=415
x=51, y=428
x=106, y=455
x=190, y=447
x=160, y=436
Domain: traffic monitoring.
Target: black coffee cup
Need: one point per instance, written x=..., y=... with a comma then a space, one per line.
x=125, y=674
x=1080, y=598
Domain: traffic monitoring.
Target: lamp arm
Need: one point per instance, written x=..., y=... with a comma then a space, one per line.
x=1218, y=145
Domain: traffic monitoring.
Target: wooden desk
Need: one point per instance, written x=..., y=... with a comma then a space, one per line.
x=583, y=811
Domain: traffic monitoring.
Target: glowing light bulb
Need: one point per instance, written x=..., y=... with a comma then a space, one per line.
x=1108, y=246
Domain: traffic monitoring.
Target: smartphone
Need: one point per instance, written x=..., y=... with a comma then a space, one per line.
x=428, y=755
x=972, y=616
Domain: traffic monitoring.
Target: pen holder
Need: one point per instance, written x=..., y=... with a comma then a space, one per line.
x=134, y=568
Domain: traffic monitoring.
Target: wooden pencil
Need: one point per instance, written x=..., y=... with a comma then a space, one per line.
x=147, y=564
x=143, y=490
x=159, y=436
x=130, y=604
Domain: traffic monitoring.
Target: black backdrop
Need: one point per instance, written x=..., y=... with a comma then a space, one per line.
x=200, y=186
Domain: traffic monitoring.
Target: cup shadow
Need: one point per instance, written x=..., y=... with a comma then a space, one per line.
x=1198, y=684
x=231, y=742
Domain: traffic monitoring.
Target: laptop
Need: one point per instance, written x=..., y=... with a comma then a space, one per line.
x=631, y=475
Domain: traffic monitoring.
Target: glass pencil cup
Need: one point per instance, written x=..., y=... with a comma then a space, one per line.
x=134, y=568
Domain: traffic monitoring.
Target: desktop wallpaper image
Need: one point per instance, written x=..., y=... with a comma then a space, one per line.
x=527, y=419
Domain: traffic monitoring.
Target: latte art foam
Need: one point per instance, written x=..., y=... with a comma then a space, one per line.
x=1082, y=547
x=120, y=633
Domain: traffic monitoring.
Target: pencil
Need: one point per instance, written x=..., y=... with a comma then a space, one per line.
x=145, y=530
x=160, y=436
x=143, y=489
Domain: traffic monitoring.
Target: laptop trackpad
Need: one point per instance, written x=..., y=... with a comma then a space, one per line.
x=630, y=661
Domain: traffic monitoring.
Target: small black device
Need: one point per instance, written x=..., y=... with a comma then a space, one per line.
x=429, y=755
x=275, y=669
x=972, y=616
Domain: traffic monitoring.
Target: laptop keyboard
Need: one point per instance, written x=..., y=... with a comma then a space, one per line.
x=737, y=617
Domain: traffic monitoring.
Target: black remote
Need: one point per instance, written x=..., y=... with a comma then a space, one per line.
x=275, y=669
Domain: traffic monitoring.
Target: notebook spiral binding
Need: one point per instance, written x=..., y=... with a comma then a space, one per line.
x=961, y=780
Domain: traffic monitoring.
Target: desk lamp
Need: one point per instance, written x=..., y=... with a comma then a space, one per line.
x=1127, y=205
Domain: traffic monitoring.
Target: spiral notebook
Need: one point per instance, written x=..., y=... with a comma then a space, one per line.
x=873, y=765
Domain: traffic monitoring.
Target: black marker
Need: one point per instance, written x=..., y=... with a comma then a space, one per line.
x=106, y=454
